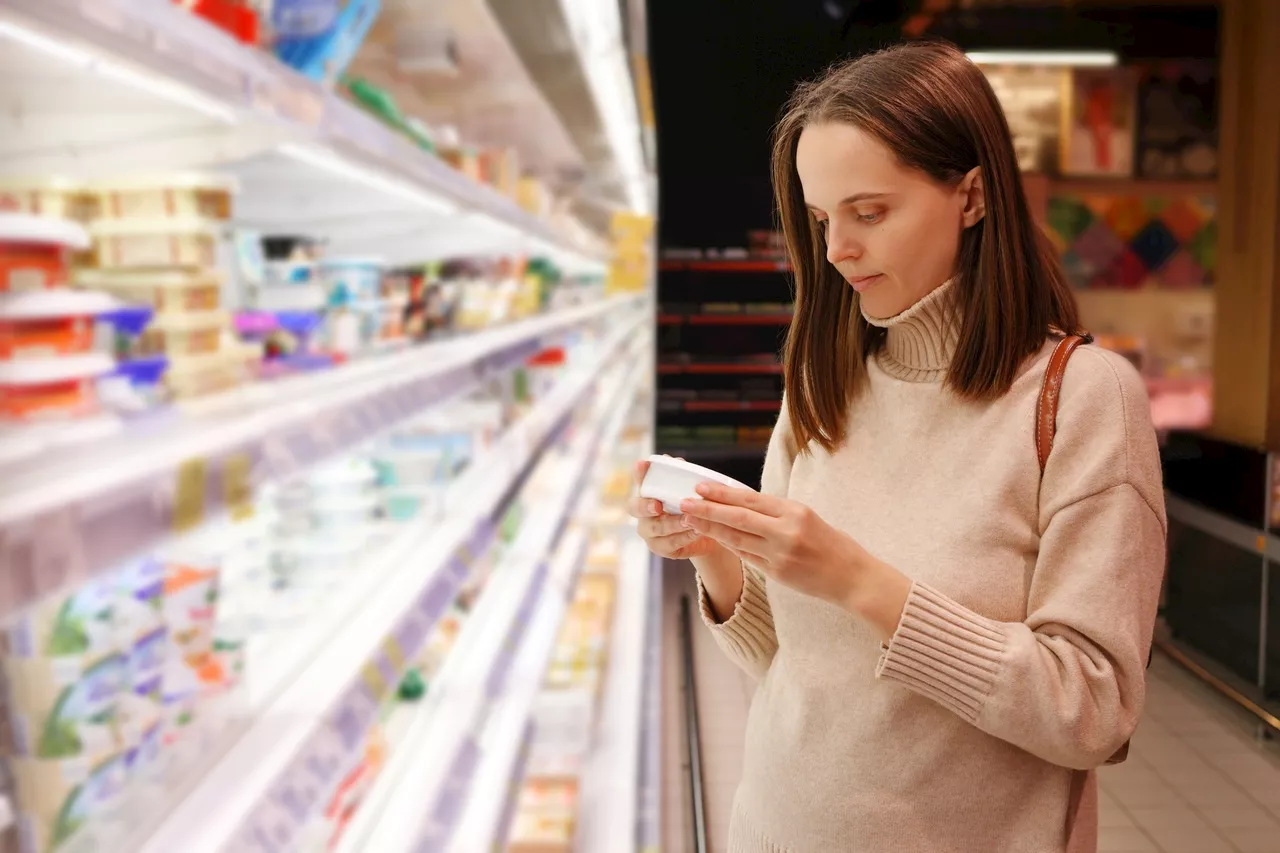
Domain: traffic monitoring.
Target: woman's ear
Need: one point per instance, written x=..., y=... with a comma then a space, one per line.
x=973, y=197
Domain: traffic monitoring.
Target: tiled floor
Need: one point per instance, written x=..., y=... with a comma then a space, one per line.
x=1196, y=781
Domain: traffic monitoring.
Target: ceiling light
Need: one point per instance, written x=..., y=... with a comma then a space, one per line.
x=1061, y=58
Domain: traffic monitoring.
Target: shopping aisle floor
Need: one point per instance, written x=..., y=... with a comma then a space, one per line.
x=1196, y=780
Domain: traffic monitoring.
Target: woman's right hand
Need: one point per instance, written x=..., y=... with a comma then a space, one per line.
x=664, y=533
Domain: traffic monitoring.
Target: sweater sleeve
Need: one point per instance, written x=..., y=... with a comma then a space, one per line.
x=1068, y=683
x=748, y=636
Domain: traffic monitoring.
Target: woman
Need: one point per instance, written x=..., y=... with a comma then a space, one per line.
x=948, y=642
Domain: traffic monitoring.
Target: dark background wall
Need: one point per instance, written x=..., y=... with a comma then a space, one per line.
x=723, y=68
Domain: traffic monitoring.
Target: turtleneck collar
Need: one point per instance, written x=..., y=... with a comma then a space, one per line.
x=920, y=342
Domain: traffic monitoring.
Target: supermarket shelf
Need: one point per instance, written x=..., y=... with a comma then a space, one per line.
x=722, y=406
x=68, y=516
x=610, y=779
x=423, y=799
x=724, y=319
x=296, y=749
x=250, y=105
x=505, y=736
x=729, y=369
x=746, y=265
x=6, y=814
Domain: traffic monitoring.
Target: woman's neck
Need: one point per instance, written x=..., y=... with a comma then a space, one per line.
x=920, y=342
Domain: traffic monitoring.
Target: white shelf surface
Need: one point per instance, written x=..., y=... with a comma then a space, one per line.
x=418, y=801
x=67, y=516
x=200, y=99
x=290, y=748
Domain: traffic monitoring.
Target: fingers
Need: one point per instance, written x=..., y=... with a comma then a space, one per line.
x=675, y=545
x=736, y=517
x=733, y=538
x=641, y=468
x=663, y=525
x=752, y=500
x=644, y=508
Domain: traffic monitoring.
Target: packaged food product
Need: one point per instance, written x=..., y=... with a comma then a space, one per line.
x=183, y=335
x=181, y=196
x=63, y=668
x=58, y=799
x=144, y=637
x=35, y=252
x=51, y=387
x=352, y=280
x=49, y=323
x=52, y=198
x=196, y=376
x=167, y=291
x=190, y=610
x=132, y=243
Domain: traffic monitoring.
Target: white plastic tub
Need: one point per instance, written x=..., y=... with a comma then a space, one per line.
x=672, y=480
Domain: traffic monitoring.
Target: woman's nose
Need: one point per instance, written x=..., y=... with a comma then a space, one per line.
x=841, y=247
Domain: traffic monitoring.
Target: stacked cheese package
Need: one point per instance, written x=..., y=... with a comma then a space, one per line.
x=159, y=241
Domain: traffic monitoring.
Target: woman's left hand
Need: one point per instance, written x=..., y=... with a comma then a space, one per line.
x=791, y=544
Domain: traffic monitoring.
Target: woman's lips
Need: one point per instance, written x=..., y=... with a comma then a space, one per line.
x=862, y=283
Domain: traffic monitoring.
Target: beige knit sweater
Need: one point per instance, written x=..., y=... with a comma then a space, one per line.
x=1018, y=666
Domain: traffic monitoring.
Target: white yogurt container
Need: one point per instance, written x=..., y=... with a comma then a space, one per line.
x=672, y=480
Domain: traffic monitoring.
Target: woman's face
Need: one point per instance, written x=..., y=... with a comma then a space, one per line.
x=891, y=231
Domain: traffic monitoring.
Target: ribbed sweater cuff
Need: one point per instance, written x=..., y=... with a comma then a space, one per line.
x=748, y=632
x=944, y=651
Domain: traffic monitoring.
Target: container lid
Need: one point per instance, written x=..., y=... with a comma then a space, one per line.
x=670, y=462
x=46, y=371
x=131, y=319
x=46, y=304
x=25, y=228
x=133, y=227
x=143, y=371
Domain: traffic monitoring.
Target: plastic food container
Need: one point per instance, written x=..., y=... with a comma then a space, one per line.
x=196, y=376
x=168, y=292
x=182, y=197
x=673, y=480
x=353, y=281
x=51, y=387
x=133, y=243
x=35, y=252
x=183, y=335
x=56, y=199
x=47, y=323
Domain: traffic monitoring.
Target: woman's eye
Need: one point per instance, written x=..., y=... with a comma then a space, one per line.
x=869, y=218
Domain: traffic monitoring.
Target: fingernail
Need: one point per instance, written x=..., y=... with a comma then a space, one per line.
x=703, y=489
x=686, y=506
x=687, y=521
x=655, y=508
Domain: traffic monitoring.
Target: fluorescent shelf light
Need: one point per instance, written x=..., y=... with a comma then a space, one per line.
x=160, y=87
x=326, y=160
x=1065, y=58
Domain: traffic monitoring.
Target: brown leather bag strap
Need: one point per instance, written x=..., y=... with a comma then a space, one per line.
x=1047, y=408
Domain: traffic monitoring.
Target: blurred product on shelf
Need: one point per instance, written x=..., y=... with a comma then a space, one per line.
x=319, y=38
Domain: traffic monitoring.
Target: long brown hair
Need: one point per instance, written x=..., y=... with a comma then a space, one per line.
x=934, y=109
